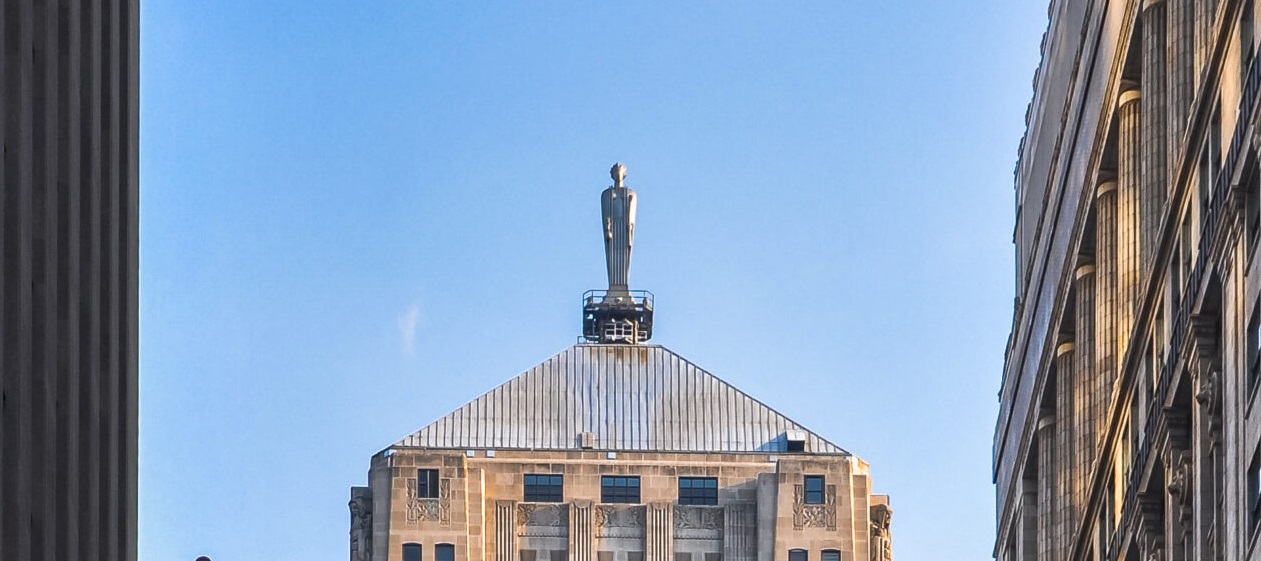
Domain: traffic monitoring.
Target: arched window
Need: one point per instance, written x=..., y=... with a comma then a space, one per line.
x=798, y=555
x=831, y=555
x=411, y=552
x=444, y=552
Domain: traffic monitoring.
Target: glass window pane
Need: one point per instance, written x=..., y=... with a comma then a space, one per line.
x=411, y=552
x=444, y=552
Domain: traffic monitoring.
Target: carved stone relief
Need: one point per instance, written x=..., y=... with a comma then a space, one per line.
x=624, y=521
x=1209, y=397
x=814, y=515
x=542, y=520
x=698, y=518
x=421, y=509
x=360, y=529
x=881, y=539
x=1180, y=490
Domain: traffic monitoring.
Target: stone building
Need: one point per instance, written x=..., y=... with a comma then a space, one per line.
x=1128, y=426
x=69, y=273
x=617, y=450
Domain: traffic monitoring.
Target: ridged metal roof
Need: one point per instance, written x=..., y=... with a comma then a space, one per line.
x=630, y=397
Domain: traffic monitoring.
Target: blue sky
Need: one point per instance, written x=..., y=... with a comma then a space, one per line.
x=356, y=216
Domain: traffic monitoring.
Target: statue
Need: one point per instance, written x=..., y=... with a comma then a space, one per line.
x=617, y=206
x=360, y=530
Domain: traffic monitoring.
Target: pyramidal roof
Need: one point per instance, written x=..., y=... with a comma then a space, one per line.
x=628, y=397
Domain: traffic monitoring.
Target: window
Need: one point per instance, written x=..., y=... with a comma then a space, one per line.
x=814, y=490
x=798, y=555
x=411, y=552
x=427, y=484
x=1254, y=347
x=444, y=552
x=831, y=555
x=698, y=491
x=544, y=488
x=619, y=489
x=1254, y=491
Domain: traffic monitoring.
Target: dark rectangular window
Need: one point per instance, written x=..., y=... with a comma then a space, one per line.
x=544, y=488
x=1254, y=347
x=619, y=489
x=411, y=552
x=426, y=483
x=798, y=555
x=444, y=552
x=558, y=555
x=529, y=555
x=1254, y=491
x=698, y=491
x=831, y=555
x=814, y=489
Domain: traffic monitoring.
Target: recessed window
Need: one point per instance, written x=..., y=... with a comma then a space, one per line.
x=1254, y=347
x=798, y=555
x=427, y=484
x=619, y=489
x=698, y=491
x=411, y=552
x=831, y=555
x=444, y=552
x=814, y=489
x=1254, y=491
x=544, y=488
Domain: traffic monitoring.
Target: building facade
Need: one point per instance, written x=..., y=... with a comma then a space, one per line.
x=1128, y=426
x=68, y=316
x=617, y=450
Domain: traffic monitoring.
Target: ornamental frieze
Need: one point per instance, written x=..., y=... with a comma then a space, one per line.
x=427, y=509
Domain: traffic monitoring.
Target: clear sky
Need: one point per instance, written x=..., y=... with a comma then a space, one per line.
x=356, y=216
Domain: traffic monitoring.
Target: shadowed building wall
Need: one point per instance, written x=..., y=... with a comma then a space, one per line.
x=68, y=316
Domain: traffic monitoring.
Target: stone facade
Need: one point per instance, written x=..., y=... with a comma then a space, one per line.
x=1128, y=427
x=661, y=419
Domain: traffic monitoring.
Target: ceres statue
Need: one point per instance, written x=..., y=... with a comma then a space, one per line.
x=617, y=207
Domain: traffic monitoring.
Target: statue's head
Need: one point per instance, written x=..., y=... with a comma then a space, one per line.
x=618, y=172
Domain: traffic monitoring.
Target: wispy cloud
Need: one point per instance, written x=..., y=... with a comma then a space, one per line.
x=407, y=328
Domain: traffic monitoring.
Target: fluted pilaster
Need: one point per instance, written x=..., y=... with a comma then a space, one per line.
x=659, y=532
x=1065, y=455
x=1129, y=181
x=1181, y=84
x=1107, y=307
x=1084, y=385
x=1153, y=132
x=505, y=530
x=581, y=531
x=1046, y=487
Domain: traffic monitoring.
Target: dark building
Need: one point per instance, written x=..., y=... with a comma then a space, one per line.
x=68, y=229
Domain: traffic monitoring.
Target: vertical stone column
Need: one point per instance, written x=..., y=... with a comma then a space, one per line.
x=1065, y=456
x=1206, y=31
x=1046, y=486
x=659, y=532
x=1153, y=131
x=1083, y=388
x=1129, y=183
x=506, y=530
x=581, y=531
x=1181, y=82
x=1106, y=309
x=739, y=536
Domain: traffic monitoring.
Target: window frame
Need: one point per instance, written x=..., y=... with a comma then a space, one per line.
x=439, y=549
x=798, y=554
x=427, y=483
x=691, y=494
x=612, y=493
x=552, y=491
x=813, y=496
x=413, y=547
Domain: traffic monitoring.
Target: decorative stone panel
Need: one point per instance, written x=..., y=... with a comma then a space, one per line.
x=814, y=515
